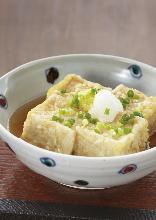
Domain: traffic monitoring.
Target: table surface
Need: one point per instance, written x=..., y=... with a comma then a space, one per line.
x=31, y=30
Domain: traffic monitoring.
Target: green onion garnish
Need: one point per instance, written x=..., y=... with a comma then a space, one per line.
x=127, y=101
x=80, y=114
x=97, y=131
x=135, y=96
x=107, y=111
x=132, y=122
x=93, y=120
x=120, y=132
x=112, y=132
x=56, y=118
x=121, y=99
x=67, y=123
x=62, y=91
x=63, y=112
x=122, y=121
x=136, y=113
x=60, y=119
x=71, y=120
x=139, y=108
x=124, y=106
x=125, y=117
x=85, y=122
x=127, y=130
x=69, y=102
x=109, y=126
x=100, y=125
x=132, y=116
x=93, y=91
x=130, y=93
x=88, y=116
x=119, y=125
x=71, y=112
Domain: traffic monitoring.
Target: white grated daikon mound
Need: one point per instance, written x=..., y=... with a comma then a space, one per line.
x=105, y=99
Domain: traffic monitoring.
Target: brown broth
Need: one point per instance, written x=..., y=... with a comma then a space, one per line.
x=18, y=118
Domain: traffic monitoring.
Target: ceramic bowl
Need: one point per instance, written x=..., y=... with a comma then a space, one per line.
x=33, y=80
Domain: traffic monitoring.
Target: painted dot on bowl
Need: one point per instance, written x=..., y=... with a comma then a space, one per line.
x=3, y=101
x=128, y=169
x=81, y=182
x=52, y=74
x=48, y=161
x=135, y=71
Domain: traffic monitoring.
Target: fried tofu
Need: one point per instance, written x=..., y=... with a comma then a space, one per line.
x=148, y=104
x=40, y=130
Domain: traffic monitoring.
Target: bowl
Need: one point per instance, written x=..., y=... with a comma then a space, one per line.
x=33, y=79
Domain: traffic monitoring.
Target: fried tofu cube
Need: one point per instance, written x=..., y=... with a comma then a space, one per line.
x=148, y=105
x=88, y=143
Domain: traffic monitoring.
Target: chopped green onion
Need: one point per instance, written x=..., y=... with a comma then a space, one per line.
x=71, y=120
x=127, y=130
x=60, y=119
x=125, y=117
x=120, y=131
x=98, y=89
x=80, y=114
x=132, y=122
x=85, y=122
x=100, y=125
x=124, y=106
x=62, y=91
x=97, y=131
x=136, y=113
x=132, y=116
x=93, y=120
x=93, y=91
x=122, y=121
x=130, y=93
x=55, y=118
x=88, y=116
x=63, y=112
x=109, y=127
x=139, y=108
x=69, y=102
x=135, y=96
x=107, y=111
x=75, y=101
x=119, y=125
x=127, y=101
x=67, y=123
x=121, y=99
x=71, y=112
x=112, y=132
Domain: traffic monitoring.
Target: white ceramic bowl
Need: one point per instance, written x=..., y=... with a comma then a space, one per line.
x=29, y=81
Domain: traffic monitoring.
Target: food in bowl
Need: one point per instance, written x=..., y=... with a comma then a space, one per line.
x=86, y=119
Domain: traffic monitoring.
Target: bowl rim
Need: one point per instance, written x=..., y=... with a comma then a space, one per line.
x=35, y=62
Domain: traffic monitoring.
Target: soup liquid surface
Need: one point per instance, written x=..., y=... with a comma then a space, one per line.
x=18, y=118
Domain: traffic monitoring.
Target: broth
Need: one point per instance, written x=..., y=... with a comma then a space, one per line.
x=18, y=118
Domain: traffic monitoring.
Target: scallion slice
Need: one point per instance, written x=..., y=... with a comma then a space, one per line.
x=107, y=111
x=130, y=93
x=62, y=91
